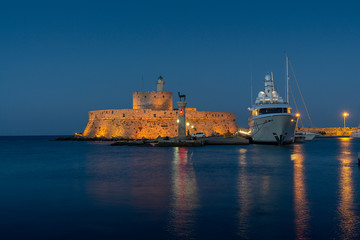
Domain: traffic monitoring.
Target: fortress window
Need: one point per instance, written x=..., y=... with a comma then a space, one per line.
x=164, y=112
x=163, y=96
x=112, y=112
x=123, y=114
x=144, y=111
x=154, y=96
x=154, y=115
x=212, y=115
x=222, y=115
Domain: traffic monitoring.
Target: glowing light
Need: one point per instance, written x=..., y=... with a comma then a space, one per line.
x=297, y=115
x=177, y=120
x=181, y=112
x=192, y=126
x=243, y=132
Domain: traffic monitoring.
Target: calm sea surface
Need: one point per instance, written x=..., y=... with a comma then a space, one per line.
x=90, y=190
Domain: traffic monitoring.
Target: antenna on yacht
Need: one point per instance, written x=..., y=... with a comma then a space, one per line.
x=272, y=81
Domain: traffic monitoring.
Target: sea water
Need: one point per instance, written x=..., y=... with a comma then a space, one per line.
x=91, y=190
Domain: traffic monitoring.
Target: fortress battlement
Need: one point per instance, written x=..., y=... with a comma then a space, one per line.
x=152, y=100
x=153, y=114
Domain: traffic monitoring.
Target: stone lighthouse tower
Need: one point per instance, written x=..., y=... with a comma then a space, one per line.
x=155, y=100
x=160, y=84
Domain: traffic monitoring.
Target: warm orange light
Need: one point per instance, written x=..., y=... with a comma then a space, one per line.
x=345, y=114
x=181, y=112
x=297, y=115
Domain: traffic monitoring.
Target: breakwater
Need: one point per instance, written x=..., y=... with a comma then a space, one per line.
x=330, y=132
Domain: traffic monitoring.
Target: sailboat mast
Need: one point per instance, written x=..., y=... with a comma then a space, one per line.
x=287, y=79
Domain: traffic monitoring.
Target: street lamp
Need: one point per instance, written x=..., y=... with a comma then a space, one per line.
x=345, y=114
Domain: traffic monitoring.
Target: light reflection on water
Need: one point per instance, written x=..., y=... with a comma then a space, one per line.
x=301, y=204
x=244, y=198
x=256, y=189
x=348, y=218
x=184, y=197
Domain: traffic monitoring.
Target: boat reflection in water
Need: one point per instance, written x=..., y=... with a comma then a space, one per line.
x=348, y=220
x=301, y=203
x=184, y=199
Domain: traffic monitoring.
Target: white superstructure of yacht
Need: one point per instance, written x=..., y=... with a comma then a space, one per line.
x=271, y=120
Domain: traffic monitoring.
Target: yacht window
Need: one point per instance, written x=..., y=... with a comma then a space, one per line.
x=271, y=110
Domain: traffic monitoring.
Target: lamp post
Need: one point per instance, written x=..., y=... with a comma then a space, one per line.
x=345, y=114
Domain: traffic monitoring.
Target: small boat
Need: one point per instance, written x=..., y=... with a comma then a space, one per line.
x=355, y=134
x=299, y=137
x=308, y=136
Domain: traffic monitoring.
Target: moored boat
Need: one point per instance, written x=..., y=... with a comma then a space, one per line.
x=355, y=134
x=299, y=137
x=308, y=136
x=271, y=120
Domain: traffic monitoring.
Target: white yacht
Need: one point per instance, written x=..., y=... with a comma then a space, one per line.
x=271, y=120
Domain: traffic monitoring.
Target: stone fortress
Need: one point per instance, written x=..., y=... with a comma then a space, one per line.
x=152, y=116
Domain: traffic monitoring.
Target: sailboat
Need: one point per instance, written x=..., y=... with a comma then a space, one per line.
x=299, y=135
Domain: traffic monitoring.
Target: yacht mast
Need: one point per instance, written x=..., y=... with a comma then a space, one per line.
x=251, y=88
x=287, y=79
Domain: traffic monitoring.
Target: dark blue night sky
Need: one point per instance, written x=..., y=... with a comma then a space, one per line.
x=61, y=59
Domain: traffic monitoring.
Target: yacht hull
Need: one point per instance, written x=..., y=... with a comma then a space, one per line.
x=310, y=136
x=273, y=129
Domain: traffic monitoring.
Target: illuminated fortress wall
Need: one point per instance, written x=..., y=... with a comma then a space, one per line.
x=152, y=100
x=152, y=116
x=138, y=123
